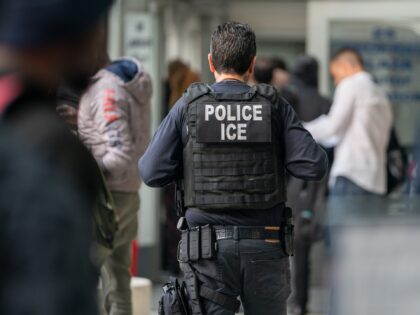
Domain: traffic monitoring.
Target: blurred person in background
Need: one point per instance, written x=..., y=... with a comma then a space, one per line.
x=359, y=122
x=281, y=80
x=274, y=72
x=305, y=82
x=307, y=199
x=68, y=104
x=180, y=77
x=263, y=71
x=281, y=75
x=43, y=43
x=105, y=219
x=45, y=238
x=114, y=124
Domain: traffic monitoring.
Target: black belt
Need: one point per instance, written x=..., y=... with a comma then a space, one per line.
x=247, y=232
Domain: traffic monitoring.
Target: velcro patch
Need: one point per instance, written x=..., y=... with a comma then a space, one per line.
x=244, y=122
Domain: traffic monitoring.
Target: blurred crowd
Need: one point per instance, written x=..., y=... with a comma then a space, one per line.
x=74, y=124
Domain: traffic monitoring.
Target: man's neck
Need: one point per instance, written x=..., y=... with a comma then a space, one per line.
x=229, y=76
x=355, y=72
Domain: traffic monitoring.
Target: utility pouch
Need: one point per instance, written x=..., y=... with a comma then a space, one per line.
x=208, y=242
x=183, y=254
x=194, y=244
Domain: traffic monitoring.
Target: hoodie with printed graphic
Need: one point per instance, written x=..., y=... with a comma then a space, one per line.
x=114, y=121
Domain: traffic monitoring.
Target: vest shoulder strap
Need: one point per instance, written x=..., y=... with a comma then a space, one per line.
x=195, y=91
x=267, y=91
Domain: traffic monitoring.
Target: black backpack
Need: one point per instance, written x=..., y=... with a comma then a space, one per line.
x=397, y=163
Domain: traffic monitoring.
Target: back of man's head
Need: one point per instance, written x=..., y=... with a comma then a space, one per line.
x=344, y=63
x=263, y=71
x=233, y=48
x=349, y=55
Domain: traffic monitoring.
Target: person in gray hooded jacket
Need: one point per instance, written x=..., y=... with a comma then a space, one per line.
x=114, y=123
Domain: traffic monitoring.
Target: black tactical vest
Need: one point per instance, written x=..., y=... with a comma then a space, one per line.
x=233, y=158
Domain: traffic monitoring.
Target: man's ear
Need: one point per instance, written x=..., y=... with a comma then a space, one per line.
x=211, y=65
x=252, y=66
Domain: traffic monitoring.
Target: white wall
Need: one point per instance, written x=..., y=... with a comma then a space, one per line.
x=182, y=32
x=187, y=27
x=278, y=20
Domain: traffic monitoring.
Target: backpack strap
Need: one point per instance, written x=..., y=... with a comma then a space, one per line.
x=10, y=89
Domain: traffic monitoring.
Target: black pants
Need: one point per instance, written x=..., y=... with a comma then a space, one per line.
x=255, y=270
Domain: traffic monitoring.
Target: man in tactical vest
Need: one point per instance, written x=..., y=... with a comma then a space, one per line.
x=228, y=147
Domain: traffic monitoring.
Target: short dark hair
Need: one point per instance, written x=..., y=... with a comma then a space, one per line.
x=356, y=57
x=263, y=71
x=305, y=69
x=279, y=63
x=233, y=47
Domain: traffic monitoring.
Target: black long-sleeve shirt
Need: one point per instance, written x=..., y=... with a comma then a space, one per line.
x=162, y=162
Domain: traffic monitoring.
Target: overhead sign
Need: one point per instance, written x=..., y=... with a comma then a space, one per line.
x=138, y=38
x=391, y=53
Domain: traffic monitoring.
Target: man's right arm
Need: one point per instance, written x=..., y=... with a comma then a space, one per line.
x=162, y=161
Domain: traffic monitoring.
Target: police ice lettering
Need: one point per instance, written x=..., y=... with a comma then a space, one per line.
x=233, y=122
x=233, y=114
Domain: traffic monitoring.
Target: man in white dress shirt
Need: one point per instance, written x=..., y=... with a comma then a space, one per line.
x=359, y=122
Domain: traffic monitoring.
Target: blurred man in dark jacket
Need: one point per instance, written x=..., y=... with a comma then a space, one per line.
x=307, y=199
x=45, y=233
x=305, y=82
x=46, y=217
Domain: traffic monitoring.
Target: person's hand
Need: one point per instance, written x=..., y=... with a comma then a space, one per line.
x=68, y=113
x=306, y=227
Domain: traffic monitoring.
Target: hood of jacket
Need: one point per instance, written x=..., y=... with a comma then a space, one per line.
x=132, y=75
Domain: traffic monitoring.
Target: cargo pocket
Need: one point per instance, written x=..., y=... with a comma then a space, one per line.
x=271, y=278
